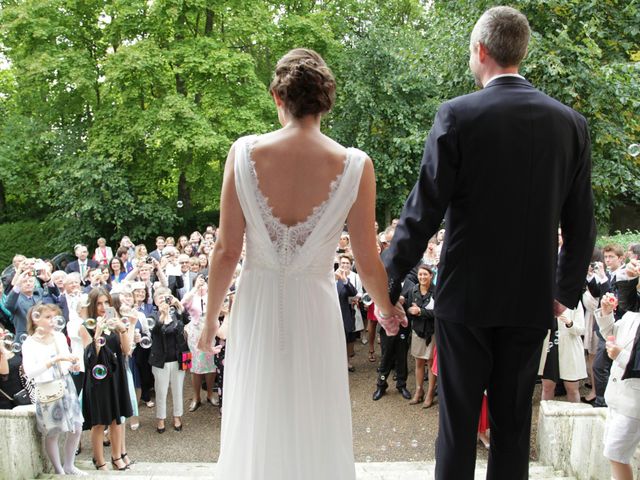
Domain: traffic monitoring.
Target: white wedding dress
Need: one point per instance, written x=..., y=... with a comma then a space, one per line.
x=287, y=412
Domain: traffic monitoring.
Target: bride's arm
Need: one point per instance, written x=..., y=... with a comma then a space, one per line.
x=362, y=232
x=226, y=252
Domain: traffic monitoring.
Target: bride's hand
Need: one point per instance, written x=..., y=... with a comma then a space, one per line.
x=206, y=342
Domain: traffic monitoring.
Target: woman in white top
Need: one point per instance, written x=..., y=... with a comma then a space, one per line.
x=563, y=358
x=47, y=360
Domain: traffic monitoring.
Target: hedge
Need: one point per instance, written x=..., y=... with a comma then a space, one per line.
x=28, y=237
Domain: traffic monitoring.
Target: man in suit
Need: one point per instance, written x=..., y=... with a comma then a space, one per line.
x=506, y=158
x=185, y=281
x=157, y=253
x=22, y=297
x=83, y=264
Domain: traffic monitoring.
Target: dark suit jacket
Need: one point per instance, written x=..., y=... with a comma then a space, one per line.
x=156, y=254
x=75, y=266
x=504, y=166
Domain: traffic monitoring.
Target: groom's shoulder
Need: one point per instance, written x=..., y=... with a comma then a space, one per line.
x=488, y=96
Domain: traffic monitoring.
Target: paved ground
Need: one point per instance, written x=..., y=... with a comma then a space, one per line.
x=389, y=430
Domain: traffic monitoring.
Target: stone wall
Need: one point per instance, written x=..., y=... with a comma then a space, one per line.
x=570, y=439
x=21, y=449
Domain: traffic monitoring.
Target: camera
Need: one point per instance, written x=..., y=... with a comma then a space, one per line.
x=148, y=260
x=168, y=299
x=594, y=265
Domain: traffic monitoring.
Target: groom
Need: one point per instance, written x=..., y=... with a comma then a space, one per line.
x=505, y=159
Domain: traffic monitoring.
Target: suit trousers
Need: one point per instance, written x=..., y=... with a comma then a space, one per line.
x=394, y=356
x=141, y=357
x=504, y=361
x=601, y=369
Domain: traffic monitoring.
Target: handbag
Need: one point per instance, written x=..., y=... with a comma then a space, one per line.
x=185, y=360
x=47, y=392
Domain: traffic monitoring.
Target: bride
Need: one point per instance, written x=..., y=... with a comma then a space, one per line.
x=287, y=412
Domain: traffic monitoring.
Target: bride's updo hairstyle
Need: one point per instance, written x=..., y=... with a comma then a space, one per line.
x=304, y=83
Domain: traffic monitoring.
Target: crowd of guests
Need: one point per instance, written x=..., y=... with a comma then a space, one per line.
x=91, y=342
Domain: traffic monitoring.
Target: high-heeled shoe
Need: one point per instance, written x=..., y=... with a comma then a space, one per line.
x=160, y=429
x=194, y=406
x=115, y=465
x=418, y=397
x=177, y=428
x=98, y=467
x=428, y=403
x=130, y=462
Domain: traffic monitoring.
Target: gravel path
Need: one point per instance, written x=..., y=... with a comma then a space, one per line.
x=387, y=430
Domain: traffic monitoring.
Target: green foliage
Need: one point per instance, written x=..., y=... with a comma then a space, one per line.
x=111, y=112
x=619, y=238
x=28, y=237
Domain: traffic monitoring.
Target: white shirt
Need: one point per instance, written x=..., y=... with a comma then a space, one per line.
x=35, y=356
x=502, y=75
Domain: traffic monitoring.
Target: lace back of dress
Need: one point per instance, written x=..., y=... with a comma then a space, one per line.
x=288, y=240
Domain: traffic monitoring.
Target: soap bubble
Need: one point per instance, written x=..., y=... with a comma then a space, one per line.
x=634, y=149
x=58, y=323
x=101, y=341
x=23, y=338
x=368, y=429
x=16, y=348
x=151, y=322
x=99, y=372
x=414, y=443
x=9, y=337
x=35, y=316
x=179, y=204
x=146, y=342
x=90, y=323
x=172, y=311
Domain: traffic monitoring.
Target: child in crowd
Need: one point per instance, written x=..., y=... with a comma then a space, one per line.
x=47, y=360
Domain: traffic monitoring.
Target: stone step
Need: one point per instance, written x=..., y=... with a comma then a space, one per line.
x=364, y=471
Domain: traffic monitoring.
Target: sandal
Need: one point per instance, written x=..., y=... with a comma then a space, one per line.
x=372, y=356
x=115, y=465
x=99, y=467
x=130, y=462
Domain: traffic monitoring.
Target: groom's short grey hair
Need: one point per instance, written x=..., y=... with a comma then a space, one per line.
x=505, y=32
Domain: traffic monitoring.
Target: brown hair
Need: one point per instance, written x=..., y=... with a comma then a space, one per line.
x=615, y=248
x=304, y=83
x=347, y=256
x=94, y=295
x=39, y=308
x=505, y=32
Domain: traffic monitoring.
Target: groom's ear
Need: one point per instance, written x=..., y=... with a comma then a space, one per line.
x=483, y=52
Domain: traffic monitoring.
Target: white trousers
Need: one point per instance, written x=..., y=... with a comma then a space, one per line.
x=170, y=374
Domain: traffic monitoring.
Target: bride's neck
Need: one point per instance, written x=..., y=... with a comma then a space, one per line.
x=308, y=122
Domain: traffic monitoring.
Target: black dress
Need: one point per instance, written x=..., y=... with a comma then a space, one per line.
x=105, y=400
x=10, y=383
